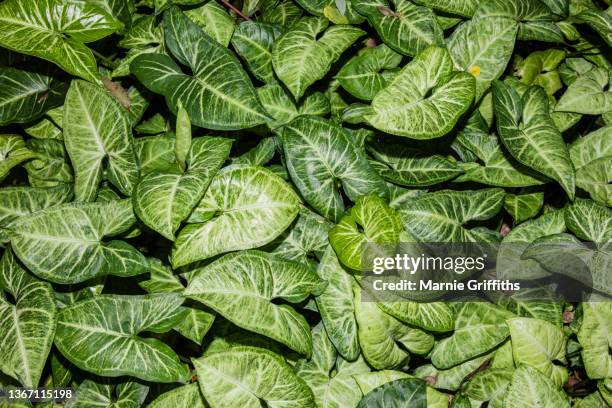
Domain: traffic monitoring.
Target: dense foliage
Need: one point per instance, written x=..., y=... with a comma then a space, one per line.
x=187, y=185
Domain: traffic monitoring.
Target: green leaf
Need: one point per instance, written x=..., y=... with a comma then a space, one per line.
x=526, y=130
x=182, y=144
x=27, y=94
x=600, y=21
x=253, y=42
x=406, y=28
x=489, y=386
x=431, y=316
x=479, y=327
x=56, y=30
x=336, y=306
x=369, y=381
x=244, y=207
x=380, y=336
x=441, y=216
x=595, y=337
x=162, y=280
x=361, y=76
x=531, y=388
x=100, y=335
x=539, y=302
x=330, y=378
x=27, y=325
x=369, y=221
x=98, y=131
x=269, y=380
x=307, y=238
x=320, y=155
x=185, y=396
x=283, y=13
x=452, y=378
x=299, y=58
x=64, y=244
x=163, y=200
x=539, y=344
x=589, y=221
x=483, y=48
x=465, y=8
x=16, y=202
x=338, y=12
x=155, y=153
x=219, y=94
x=524, y=205
x=241, y=287
x=214, y=20
x=510, y=264
x=588, y=94
x=13, y=151
x=536, y=19
x=280, y=105
x=425, y=100
x=410, y=166
x=91, y=393
x=396, y=394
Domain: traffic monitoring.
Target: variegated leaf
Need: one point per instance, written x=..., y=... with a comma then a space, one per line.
x=425, y=100
x=244, y=207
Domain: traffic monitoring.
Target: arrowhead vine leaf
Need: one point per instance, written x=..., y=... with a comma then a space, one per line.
x=190, y=188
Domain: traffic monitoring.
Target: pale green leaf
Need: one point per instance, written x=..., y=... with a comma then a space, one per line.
x=539, y=344
x=95, y=394
x=403, y=26
x=440, y=216
x=483, y=48
x=185, y=396
x=329, y=376
x=531, y=388
x=410, y=166
x=361, y=76
x=595, y=337
x=100, y=335
x=219, y=94
x=588, y=94
x=244, y=207
x=27, y=94
x=241, y=287
x=465, y=8
x=27, y=325
x=162, y=200
x=524, y=205
x=226, y=383
x=406, y=392
x=336, y=306
x=527, y=131
x=592, y=156
x=16, y=202
x=536, y=19
x=370, y=221
x=98, y=131
x=64, y=243
x=425, y=100
x=479, y=327
x=214, y=20
x=320, y=155
x=253, y=42
x=299, y=58
x=56, y=30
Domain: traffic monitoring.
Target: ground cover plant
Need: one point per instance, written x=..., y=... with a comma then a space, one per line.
x=187, y=185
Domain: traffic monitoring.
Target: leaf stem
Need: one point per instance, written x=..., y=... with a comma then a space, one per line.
x=229, y=5
x=108, y=63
